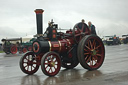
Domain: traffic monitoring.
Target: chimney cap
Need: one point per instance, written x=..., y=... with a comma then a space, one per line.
x=39, y=11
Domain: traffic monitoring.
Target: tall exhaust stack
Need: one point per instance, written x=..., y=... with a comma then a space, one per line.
x=39, y=23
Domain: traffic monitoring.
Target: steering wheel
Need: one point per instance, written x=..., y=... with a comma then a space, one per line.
x=79, y=31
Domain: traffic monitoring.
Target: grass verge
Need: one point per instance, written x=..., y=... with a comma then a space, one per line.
x=1, y=51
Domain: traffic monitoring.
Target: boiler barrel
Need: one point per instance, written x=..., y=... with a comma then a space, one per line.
x=60, y=46
x=40, y=46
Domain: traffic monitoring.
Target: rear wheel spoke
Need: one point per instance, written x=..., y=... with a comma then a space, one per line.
x=85, y=50
x=94, y=44
x=88, y=59
x=97, y=51
x=90, y=62
x=86, y=53
x=78, y=28
x=87, y=47
x=94, y=60
x=98, y=46
x=82, y=28
x=90, y=44
x=99, y=55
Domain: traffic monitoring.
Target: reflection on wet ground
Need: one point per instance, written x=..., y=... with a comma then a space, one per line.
x=30, y=80
x=114, y=71
x=71, y=75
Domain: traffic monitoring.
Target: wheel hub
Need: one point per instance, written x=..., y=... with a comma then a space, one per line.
x=93, y=52
x=30, y=63
x=52, y=64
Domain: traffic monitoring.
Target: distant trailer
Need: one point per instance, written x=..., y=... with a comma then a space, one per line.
x=15, y=45
x=125, y=39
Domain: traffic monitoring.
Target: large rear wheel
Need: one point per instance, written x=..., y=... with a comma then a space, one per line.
x=91, y=52
x=79, y=31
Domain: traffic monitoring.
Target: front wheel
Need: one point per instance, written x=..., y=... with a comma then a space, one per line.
x=28, y=63
x=91, y=52
x=50, y=63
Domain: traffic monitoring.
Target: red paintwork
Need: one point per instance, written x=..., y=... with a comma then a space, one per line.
x=24, y=50
x=38, y=47
x=14, y=49
x=29, y=48
x=61, y=45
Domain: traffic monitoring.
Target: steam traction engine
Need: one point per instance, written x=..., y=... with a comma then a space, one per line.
x=54, y=49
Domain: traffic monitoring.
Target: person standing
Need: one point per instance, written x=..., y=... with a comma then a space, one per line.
x=91, y=28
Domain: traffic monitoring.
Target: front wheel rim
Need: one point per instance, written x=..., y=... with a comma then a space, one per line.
x=28, y=63
x=51, y=64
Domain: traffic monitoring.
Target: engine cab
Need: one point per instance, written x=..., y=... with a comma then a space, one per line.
x=51, y=31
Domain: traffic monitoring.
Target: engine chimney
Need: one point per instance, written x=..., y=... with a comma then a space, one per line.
x=39, y=21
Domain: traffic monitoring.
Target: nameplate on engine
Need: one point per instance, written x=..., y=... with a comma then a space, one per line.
x=55, y=45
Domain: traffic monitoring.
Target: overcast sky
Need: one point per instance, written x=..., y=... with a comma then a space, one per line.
x=17, y=17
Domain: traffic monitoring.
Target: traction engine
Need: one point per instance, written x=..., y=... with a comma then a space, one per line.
x=53, y=50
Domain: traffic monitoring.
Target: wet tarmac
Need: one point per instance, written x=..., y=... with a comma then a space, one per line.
x=114, y=71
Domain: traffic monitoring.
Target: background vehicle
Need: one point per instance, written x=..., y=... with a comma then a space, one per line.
x=125, y=39
x=111, y=40
x=14, y=45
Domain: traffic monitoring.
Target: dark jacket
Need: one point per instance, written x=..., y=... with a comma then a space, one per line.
x=93, y=31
